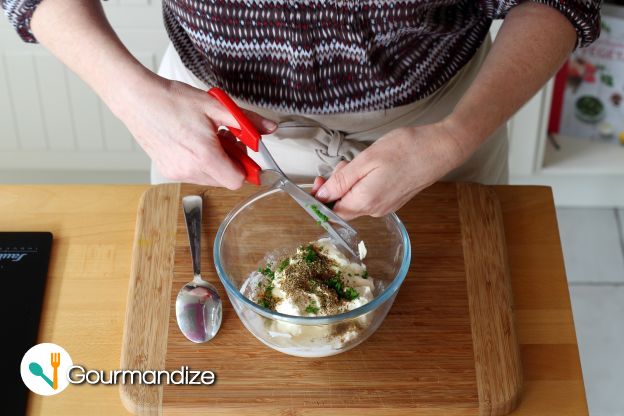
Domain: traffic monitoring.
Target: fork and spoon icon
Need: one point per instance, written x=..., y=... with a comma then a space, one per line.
x=55, y=361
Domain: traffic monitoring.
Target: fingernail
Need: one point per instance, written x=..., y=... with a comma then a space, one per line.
x=322, y=193
x=269, y=125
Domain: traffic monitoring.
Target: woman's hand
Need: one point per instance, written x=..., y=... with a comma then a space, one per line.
x=391, y=171
x=176, y=125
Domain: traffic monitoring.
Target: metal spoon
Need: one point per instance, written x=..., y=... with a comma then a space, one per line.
x=198, y=305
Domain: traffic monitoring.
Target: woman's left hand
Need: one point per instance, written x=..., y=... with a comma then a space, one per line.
x=385, y=176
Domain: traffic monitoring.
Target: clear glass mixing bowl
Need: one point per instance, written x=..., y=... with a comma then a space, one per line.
x=271, y=222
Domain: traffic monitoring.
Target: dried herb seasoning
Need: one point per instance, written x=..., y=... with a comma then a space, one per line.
x=310, y=272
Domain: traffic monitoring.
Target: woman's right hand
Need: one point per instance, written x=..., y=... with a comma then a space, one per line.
x=176, y=124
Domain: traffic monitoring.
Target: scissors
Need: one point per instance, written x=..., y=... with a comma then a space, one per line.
x=275, y=177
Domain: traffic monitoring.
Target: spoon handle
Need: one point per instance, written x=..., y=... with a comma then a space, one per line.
x=193, y=214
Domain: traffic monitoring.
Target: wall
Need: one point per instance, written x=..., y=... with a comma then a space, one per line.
x=52, y=124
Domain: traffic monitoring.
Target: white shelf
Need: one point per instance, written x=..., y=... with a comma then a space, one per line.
x=578, y=190
x=583, y=157
x=582, y=173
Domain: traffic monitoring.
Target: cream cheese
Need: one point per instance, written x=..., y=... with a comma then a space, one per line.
x=293, y=336
x=351, y=274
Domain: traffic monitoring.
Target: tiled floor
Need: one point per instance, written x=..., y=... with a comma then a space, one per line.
x=593, y=247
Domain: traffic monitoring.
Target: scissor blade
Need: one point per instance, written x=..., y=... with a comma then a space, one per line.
x=313, y=207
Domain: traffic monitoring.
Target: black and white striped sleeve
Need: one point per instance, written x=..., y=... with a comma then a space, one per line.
x=19, y=13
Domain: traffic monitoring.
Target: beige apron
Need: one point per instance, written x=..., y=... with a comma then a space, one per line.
x=305, y=146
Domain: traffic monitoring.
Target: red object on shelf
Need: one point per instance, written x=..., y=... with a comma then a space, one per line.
x=554, y=121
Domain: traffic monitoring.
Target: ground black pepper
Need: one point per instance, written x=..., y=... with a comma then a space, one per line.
x=309, y=272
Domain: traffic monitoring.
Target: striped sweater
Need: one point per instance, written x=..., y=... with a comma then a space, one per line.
x=331, y=56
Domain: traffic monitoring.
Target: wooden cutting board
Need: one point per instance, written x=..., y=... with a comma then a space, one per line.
x=447, y=347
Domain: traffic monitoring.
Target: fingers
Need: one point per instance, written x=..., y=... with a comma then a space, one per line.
x=372, y=196
x=183, y=141
x=344, y=177
x=221, y=116
x=340, y=165
x=345, y=212
x=351, y=205
x=224, y=134
x=203, y=167
x=365, y=198
x=205, y=179
x=264, y=125
x=183, y=169
x=229, y=172
x=318, y=182
x=201, y=160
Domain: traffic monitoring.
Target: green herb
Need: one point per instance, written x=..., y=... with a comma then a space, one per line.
x=365, y=274
x=266, y=298
x=311, y=309
x=322, y=217
x=345, y=293
x=335, y=283
x=350, y=294
x=283, y=265
x=267, y=271
x=310, y=255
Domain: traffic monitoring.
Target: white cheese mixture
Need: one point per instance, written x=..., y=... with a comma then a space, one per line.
x=352, y=275
x=355, y=289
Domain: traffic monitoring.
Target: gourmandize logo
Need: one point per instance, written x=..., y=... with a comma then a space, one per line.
x=47, y=369
x=44, y=369
x=55, y=360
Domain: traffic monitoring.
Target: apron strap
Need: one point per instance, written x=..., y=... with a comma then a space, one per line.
x=330, y=146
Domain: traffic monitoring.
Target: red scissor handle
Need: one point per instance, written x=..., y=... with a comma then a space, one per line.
x=247, y=132
x=252, y=169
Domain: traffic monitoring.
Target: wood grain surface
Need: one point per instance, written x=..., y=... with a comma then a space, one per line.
x=87, y=289
x=454, y=309
x=149, y=294
x=496, y=353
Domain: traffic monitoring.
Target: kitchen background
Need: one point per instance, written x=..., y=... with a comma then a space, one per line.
x=53, y=129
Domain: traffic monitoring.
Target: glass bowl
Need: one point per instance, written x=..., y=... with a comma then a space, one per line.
x=271, y=222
